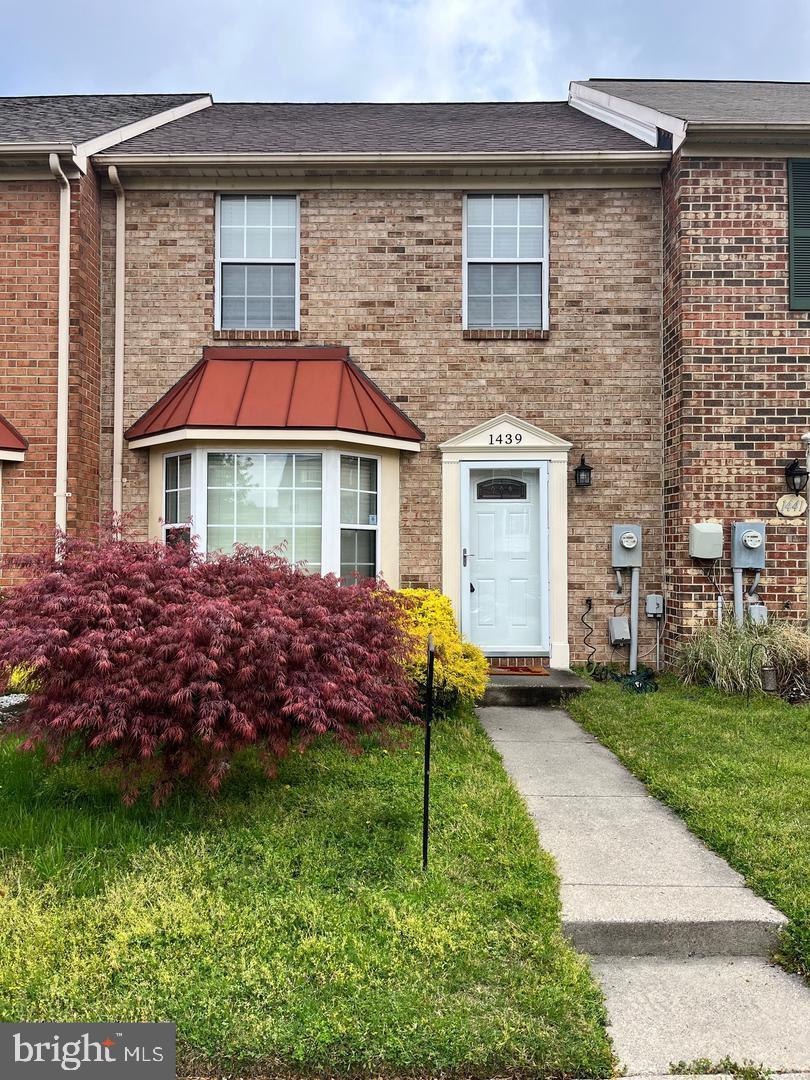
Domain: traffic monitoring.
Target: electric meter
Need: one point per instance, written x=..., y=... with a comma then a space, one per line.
x=626, y=546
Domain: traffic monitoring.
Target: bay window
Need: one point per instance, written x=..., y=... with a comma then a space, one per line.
x=320, y=508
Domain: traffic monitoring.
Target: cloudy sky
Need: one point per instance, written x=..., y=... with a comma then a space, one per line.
x=383, y=50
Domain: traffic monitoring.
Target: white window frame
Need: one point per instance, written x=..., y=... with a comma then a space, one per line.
x=359, y=527
x=219, y=261
x=543, y=261
x=330, y=493
x=177, y=524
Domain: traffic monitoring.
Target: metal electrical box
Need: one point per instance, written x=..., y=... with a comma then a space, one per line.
x=626, y=546
x=706, y=540
x=654, y=605
x=748, y=545
x=619, y=630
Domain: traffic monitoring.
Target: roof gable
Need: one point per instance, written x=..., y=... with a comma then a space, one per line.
x=506, y=432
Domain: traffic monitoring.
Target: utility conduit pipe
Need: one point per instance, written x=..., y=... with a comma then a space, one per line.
x=118, y=361
x=63, y=345
x=739, y=610
x=634, y=586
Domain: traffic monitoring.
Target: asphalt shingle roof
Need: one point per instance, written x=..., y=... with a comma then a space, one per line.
x=715, y=101
x=75, y=118
x=465, y=127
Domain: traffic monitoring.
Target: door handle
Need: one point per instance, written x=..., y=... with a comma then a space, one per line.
x=466, y=555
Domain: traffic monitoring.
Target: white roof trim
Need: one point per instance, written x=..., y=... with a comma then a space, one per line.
x=477, y=438
x=87, y=149
x=638, y=120
x=12, y=455
x=603, y=158
x=289, y=435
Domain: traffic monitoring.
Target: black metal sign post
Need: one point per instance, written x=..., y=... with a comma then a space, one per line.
x=428, y=724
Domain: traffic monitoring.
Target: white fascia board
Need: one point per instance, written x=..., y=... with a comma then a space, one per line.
x=26, y=149
x=87, y=149
x=638, y=120
x=283, y=435
x=599, y=158
x=12, y=455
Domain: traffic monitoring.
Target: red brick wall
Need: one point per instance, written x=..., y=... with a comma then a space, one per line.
x=736, y=373
x=29, y=251
x=85, y=355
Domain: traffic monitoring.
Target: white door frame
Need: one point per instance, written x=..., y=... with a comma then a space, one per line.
x=540, y=648
x=501, y=441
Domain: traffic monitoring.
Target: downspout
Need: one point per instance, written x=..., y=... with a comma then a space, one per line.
x=118, y=362
x=63, y=345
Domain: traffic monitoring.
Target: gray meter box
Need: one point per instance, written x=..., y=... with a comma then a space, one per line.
x=748, y=545
x=706, y=540
x=626, y=546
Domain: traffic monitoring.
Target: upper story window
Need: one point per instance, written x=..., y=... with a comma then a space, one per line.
x=257, y=262
x=505, y=262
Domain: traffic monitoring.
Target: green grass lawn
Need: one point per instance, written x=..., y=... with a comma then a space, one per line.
x=287, y=927
x=738, y=775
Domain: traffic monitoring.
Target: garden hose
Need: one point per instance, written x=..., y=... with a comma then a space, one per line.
x=586, y=641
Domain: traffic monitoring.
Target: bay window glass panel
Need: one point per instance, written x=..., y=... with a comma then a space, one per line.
x=267, y=501
x=358, y=507
x=176, y=489
x=257, y=261
x=505, y=242
x=358, y=554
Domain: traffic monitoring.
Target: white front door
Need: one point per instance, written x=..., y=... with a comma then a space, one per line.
x=505, y=558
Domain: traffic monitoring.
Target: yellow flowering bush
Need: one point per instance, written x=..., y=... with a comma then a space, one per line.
x=21, y=680
x=460, y=668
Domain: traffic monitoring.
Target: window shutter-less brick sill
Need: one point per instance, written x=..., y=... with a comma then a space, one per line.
x=799, y=223
x=505, y=335
x=256, y=335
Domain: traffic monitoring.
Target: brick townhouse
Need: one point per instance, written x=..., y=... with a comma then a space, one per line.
x=386, y=335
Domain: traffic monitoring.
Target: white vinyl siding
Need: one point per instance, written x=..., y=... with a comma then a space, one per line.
x=505, y=262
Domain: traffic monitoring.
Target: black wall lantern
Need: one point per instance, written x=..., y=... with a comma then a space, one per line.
x=795, y=476
x=582, y=474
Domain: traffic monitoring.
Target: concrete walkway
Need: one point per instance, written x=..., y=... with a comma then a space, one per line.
x=678, y=942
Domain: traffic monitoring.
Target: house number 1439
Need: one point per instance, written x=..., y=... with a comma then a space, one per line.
x=505, y=440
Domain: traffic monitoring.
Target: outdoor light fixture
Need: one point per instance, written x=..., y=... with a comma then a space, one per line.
x=582, y=474
x=796, y=476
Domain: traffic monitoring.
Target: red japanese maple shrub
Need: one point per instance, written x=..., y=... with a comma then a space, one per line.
x=172, y=664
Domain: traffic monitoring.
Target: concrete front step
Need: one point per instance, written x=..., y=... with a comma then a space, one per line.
x=669, y=920
x=666, y=1010
x=635, y=881
x=532, y=690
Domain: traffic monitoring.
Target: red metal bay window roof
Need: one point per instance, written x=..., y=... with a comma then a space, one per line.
x=266, y=388
x=12, y=444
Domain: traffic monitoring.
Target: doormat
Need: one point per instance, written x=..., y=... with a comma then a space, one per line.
x=495, y=670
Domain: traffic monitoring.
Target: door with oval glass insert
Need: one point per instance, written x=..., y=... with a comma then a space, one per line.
x=505, y=580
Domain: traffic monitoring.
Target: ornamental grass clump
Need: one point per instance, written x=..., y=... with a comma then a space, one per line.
x=167, y=665
x=721, y=656
x=460, y=668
